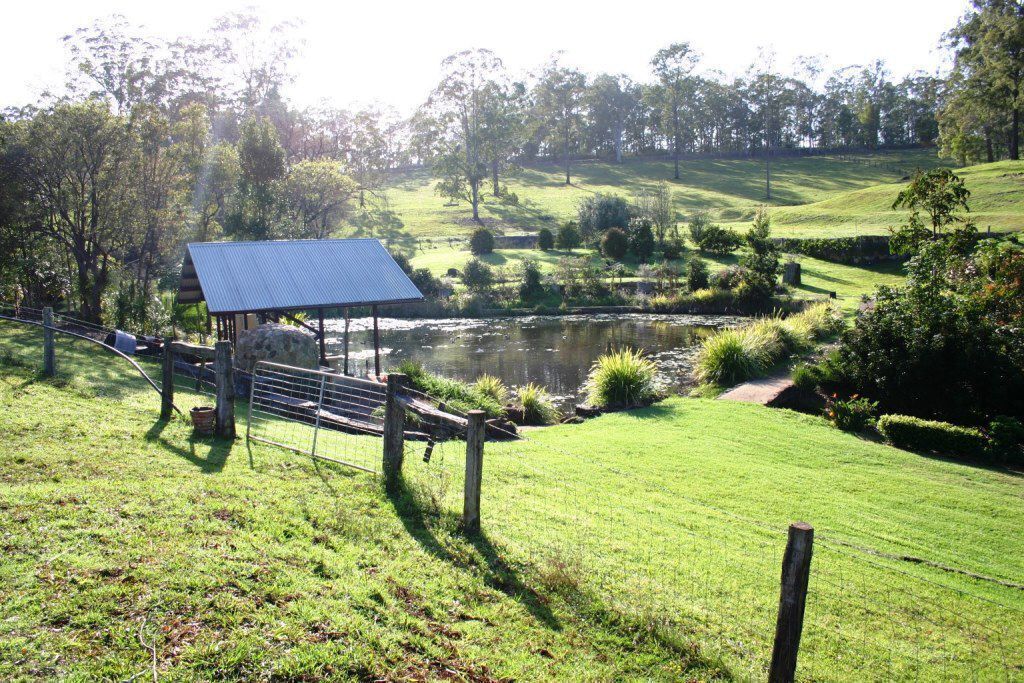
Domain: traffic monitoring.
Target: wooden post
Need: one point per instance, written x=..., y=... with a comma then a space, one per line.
x=323, y=346
x=476, y=430
x=223, y=368
x=49, y=351
x=394, y=432
x=167, y=382
x=376, y=344
x=345, y=371
x=796, y=570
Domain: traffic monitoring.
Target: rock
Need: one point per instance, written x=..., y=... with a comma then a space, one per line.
x=791, y=274
x=501, y=429
x=587, y=411
x=277, y=343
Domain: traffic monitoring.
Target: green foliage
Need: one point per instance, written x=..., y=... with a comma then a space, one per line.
x=537, y=406
x=481, y=242
x=477, y=275
x=492, y=387
x=942, y=195
x=761, y=263
x=622, y=379
x=1006, y=435
x=531, y=287
x=727, y=278
x=402, y=260
x=641, y=239
x=718, y=240
x=614, y=243
x=568, y=237
x=697, y=275
x=545, y=239
x=930, y=436
x=425, y=281
x=854, y=414
x=856, y=249
x=673, y=250
x=597, y=213
x=459, y=395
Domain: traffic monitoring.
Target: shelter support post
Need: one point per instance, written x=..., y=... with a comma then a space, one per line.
x=394, y=432
x=475, y=434
x=376, y=344
x=345, y=371
x=320, y=335
x=224, y=370
x=49, y=350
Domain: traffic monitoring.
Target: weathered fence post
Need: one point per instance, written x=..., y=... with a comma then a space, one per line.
x=476, y=430
x=394, y=432
x=796, y=570
x=223, y=368
x=167, y=382
x=49, y=351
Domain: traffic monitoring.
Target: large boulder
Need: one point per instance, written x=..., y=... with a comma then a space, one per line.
x=278, y=343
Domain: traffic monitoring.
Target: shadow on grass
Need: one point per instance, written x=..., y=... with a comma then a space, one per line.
x=497, y=573
x=209, y=453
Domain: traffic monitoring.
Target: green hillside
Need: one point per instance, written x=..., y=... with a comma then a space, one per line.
x=730, y=189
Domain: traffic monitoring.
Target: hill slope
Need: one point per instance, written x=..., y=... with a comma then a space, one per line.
x=730, y=189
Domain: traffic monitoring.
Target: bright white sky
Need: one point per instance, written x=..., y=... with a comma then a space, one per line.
x=388, y=51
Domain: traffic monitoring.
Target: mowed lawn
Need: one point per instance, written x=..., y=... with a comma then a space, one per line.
x=637, y=546
x=730, y=189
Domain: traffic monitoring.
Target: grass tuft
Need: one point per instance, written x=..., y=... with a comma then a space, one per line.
x=622, y=379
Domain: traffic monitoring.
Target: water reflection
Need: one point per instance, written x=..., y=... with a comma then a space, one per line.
x=554, y=351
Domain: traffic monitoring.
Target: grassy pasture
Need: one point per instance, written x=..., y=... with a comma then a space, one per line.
x=614, y=550
x=731, y=189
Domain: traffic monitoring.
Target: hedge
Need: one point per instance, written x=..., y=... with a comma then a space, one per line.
x=915, y=434
x=859, y=249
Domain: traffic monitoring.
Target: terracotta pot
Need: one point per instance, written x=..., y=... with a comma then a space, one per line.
x=204, y=419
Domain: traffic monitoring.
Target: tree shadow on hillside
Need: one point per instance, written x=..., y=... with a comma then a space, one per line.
x=497, y=573
x=208, y=453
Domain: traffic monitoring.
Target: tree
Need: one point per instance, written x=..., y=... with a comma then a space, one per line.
x=531, y=287
x=697, y=275
x=316, y=197
x=477, y=275
x=261, y=160
x=657, y=208
x=941, y=194
x=609, y=101
x=596, y=213
x=672, y=66
x=545, y=240
x=989, y=49
x=558, y=96
x=761, y=264
x=615, y=244
x=568, y=237
x=481, y=242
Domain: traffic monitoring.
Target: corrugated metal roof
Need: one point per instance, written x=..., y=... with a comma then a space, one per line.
x=291, y=274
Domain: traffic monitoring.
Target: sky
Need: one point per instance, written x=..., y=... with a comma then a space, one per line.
x=389, y=52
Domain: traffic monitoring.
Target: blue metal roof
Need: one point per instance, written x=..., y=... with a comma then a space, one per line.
x=235, y=277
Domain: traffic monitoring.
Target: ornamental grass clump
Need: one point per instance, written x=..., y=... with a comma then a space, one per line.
x=536, y=404
x=491, y=386
x=456, y=395
x=623, y=379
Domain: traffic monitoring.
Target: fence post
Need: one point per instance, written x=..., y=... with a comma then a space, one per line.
x=394, y=432
x=476, y=430
x=223, y=368
x=49, y=351
x=796, y=570
x=167, y=382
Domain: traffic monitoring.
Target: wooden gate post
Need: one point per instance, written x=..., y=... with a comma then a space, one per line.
x=796, y=570
x=476, y=430
x=167, y=382
x=49, y=351
x=394, y=432
x=223, y=368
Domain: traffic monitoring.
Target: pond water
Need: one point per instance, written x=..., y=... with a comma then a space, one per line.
x=554, y=351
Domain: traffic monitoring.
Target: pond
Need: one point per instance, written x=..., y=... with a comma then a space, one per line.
x=554, y=351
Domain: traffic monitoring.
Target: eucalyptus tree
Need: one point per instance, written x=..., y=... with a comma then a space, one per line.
x=558, y=103
x=672, y=66
x=316, y=197
x=610, y=101
x=261, y=162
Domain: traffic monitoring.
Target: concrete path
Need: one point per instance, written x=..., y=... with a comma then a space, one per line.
x=762, y=391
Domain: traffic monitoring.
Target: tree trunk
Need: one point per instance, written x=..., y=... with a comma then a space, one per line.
x=475, y=199
x=1015, y=135
x=990, y=154
x=618, y=146
x=494, y=176
x=675, y=156
x=565, y=153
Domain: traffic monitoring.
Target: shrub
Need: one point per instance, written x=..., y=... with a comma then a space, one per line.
x=477, y=275
x=915, y=434
x=641, y=238
x=728, y=358
x=718, y=240
x=1007, y=438
x=698, y=223
x=852, y=415
x=538, y=408
x=530, y=288
x=761, y=264
x=806, y=376
x=596, y=213
x=614, y=244
x=492, y=387
x=402, y=260
x=727, y=278
x=482, y=242
x=673, y=250
x=458, y=395
x=425, y=281
x=545, y=240
x=568, y=237
x=622, y=379
x=697, y=276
